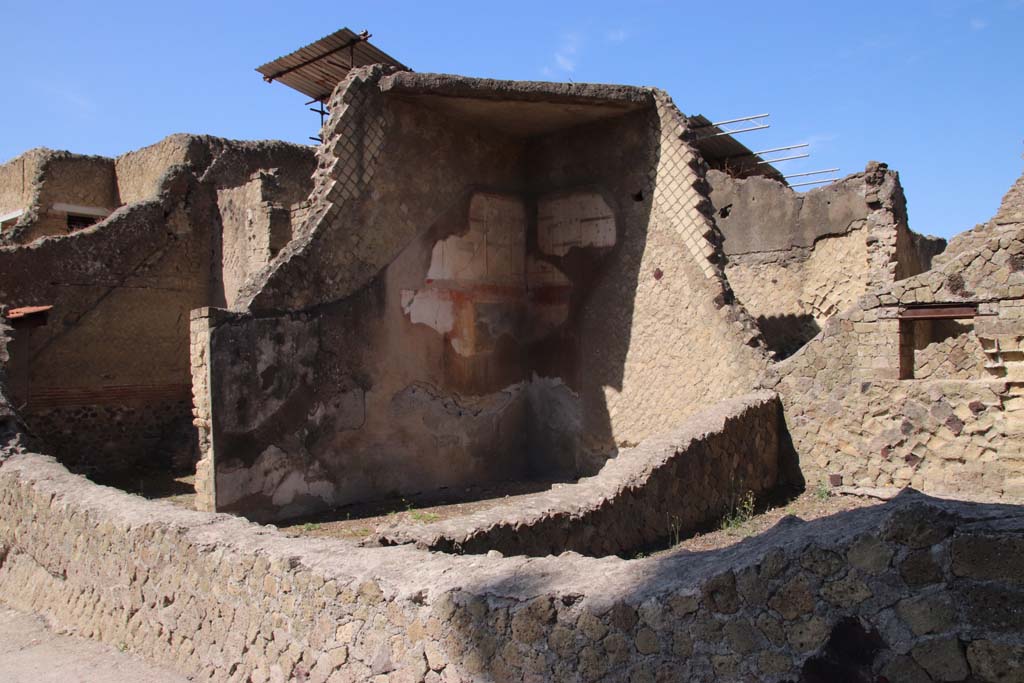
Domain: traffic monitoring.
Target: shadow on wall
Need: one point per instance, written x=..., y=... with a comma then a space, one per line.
x=480, y=353
x=902, y=591
x=482, y=294
x=786, y=334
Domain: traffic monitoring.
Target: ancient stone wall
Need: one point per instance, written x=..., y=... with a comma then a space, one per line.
x=671, y=485
x=10, y=423
x=917, y=590
x=952, y=425
x=107, y=377
x=106, y=383
x=545, y=292
x=48, y=186
x=19, y=182
x=797, y=259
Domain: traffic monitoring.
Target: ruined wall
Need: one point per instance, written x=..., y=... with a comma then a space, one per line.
x=671, y=485
x=107, y=377
x=19, y=181
x=10, y=424
x=140, y=173
x=916, y=590
x=797, y=259
x=956, y=428
x=256, y=223
x=106, y=383
x=542, y=298
x=41, y=181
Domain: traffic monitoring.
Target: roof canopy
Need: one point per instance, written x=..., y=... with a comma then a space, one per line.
x=314, y=70
x=725, y=153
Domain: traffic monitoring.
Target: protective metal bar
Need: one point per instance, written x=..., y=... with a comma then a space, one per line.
x=734, y=132
x=795, y=156
x=781, y=149
x=742, y=118
x=801, y=175
x=814, y=182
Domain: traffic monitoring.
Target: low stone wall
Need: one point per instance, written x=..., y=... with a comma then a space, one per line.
x=915, y=590
x=670, y=485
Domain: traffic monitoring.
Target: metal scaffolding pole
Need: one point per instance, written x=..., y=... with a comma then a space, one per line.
x=815, y=182
x=801, y=175
x=782, y=149
x=795, y=156
x=742, y=118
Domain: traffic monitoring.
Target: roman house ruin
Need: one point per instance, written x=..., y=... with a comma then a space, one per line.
x=469, y=284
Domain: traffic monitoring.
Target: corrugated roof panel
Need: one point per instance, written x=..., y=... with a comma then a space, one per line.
x=315, y=69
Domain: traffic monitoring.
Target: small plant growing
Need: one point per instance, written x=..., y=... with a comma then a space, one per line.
x=675, y=529
x=741, y=512
x=420, y=516
x=822, y=491
x=310, y=526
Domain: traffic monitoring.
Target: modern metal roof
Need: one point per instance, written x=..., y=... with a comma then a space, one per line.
x=726, y=153
x=315, y=69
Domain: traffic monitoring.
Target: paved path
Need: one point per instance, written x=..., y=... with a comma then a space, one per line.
x=32, y=653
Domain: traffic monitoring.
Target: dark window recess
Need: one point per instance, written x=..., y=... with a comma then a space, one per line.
x=76, y=222
x=921, y=326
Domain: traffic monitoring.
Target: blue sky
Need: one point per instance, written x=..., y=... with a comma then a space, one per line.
x=935, y=89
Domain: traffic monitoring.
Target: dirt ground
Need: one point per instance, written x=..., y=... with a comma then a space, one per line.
x=360, y=522
x=357, y=522
x=811, y=504
x=32, y=652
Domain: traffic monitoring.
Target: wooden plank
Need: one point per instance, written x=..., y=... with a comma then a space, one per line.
x=950, y=312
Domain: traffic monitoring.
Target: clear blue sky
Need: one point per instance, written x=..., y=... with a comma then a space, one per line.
x=933, y=88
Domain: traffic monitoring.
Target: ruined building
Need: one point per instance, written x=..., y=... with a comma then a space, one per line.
x=471, y=282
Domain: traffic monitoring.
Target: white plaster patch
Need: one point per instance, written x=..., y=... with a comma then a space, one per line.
x=431, y=307
x=492, y=251
x=580, y=219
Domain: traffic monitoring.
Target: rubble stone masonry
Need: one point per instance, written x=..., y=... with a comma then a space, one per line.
x=918, y=590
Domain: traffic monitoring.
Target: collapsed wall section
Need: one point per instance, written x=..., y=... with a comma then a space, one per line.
x=926, y=589
x=794, y=260
x=920, y=383
x=497, y=280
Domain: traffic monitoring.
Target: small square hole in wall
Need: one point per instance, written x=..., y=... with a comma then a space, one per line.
x=940, y=343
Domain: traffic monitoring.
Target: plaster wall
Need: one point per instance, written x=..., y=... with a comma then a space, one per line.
x=677, y=483
x=517, y=330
